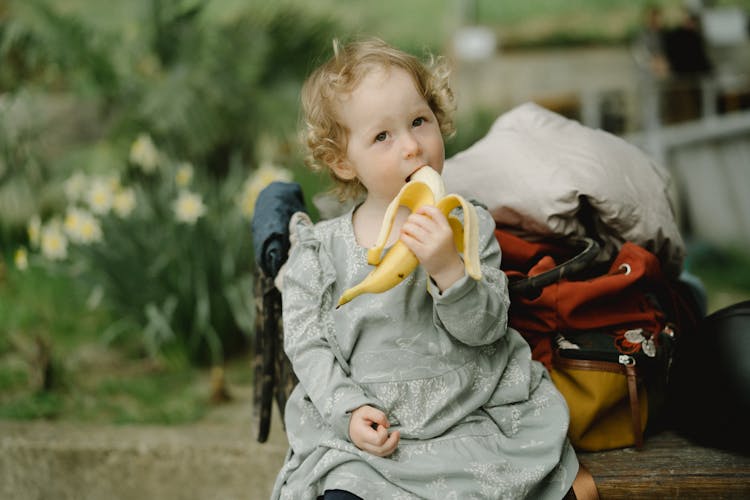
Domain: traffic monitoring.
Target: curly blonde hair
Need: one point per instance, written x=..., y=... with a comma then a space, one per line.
x=326, y=137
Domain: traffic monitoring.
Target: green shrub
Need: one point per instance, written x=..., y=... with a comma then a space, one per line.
x=116, y=99
x=166, y=249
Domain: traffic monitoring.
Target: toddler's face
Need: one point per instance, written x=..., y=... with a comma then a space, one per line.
x=392, y=132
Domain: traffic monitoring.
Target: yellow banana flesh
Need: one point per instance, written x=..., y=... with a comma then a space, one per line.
x=458, y=233
x=424, y=188
x=395, y=267
x=469, y=233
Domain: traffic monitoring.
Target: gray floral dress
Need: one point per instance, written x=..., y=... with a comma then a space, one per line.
x=478, y=418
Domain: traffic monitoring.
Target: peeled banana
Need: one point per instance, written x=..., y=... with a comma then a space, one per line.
x=424, y=188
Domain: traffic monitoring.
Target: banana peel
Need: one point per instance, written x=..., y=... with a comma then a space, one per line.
x=424, y=188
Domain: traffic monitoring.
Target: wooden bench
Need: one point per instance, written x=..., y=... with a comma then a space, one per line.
x=669, y=466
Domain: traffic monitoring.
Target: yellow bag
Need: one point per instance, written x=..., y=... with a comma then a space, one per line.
x=608, y=392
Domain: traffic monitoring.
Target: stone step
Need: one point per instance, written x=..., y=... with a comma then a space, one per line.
x=215, y=460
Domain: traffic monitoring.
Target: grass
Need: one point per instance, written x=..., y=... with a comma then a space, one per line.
x=41, y=303
x=122, y=391
x=133, y=392
x=54, y=363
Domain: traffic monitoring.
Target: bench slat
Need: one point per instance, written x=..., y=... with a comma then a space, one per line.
x=669, y=466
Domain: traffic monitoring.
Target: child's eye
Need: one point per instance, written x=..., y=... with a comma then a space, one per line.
x=381, y=137
x=417, y=121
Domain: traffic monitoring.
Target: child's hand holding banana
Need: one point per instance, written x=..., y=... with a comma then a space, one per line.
x=425, y=188
x=428, y=234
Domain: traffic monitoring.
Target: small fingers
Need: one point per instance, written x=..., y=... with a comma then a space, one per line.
x=433, y=218
x=432, y=212
x=372, y=414
x=386, y=448
x=381, y=435
x=418, y=227
x=369, y=431
x=429, y=218
x=391, y=443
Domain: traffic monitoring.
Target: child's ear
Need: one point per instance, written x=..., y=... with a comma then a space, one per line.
x=343, y=170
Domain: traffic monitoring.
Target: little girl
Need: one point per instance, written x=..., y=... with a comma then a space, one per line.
x=422, y=391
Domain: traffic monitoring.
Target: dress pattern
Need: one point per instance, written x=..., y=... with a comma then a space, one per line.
x=478, y=418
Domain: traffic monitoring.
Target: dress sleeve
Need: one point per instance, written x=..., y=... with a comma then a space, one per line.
x=309, y=333
x=476, y=312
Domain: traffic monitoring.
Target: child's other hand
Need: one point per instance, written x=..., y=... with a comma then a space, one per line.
x=428, y=234
x=368, y=431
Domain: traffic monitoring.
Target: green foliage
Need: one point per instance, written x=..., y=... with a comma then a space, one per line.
x=728, y=266
x=37, y=405
x=215, y=84
x=41, y=302
x=92, y=380
x=208, y=87
x=11, y=377
x=174, y=262
x=115, y=390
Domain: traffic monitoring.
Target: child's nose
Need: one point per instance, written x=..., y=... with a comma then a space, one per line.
x=410, y=146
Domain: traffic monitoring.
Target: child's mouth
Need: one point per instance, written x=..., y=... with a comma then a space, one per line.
x=408, y=177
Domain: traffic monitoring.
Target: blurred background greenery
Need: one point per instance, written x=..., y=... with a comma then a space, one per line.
x=133, y=139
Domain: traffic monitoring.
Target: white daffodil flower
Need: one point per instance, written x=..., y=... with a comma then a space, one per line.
x=100, y=196
x=53, y=244
x=21, y=259
x=184, y=175
x=143, y=153
x=75, y=187
x=189, y=207
x=81, y=226
x=124, y=202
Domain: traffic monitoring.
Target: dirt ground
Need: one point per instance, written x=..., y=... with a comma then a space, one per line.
x=218, y=458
